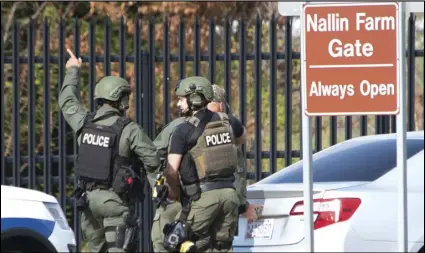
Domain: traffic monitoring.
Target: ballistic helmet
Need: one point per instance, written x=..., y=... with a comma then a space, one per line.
x=111, y=88
x=193, y=87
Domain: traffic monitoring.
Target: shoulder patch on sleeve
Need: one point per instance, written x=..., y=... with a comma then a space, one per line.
x=71, y=110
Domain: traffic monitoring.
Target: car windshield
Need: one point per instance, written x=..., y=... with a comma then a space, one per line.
x=363, y=161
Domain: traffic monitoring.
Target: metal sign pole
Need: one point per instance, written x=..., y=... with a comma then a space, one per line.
x=401, y=135
x=306, y=151
x=296, y=9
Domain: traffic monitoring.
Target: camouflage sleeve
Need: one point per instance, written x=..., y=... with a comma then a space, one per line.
x=162, y=141
x=240, y=178
x=73, y=111
x=143, y=147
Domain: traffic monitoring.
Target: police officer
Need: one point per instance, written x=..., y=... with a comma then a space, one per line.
x=203, y=153
x=245, y=208
x=167, y=210
x=107, y=140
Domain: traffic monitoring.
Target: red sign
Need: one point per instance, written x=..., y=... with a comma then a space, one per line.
x=350, y=58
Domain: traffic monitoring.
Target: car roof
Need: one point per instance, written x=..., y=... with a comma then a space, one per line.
x=391, y=136
x=353, y=143
x=411, y=135
x=414, y=170
x=20, y=193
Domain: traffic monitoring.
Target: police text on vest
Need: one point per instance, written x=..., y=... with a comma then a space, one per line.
x=218, y=139
x=97, y=140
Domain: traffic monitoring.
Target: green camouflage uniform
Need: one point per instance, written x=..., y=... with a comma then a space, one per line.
x=106, y=210
x=164, y=214
x=240, y=175
x=214, y=216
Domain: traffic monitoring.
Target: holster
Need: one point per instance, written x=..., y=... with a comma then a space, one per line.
x=127, y=233
x=80, y=197
x=130, y=238
x=162, y=194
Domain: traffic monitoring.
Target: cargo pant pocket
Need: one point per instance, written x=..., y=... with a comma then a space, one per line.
x=203, y=214
x=92, y=232
x=156, y=233
x=227, y=229
x=110, y=225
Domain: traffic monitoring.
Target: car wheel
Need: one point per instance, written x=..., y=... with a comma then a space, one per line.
x=22, y=244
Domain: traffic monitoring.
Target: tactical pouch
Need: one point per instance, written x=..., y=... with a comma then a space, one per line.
x=120, y=236
x=123, y=181
x=130, y=238
x=177, y=237
x=162, y=195
x=80, y=198
x=82, y=202
x=171, y=237
x=193, y=191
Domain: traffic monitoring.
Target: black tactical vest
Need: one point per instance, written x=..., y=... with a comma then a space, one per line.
x=98, y=159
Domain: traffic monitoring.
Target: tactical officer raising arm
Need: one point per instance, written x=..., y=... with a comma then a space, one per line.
x=108, y=142
x=203, y=154
x=112, y=94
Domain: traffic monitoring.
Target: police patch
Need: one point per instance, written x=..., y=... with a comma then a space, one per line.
x=71, y=110
x=96, y=140
x=217, y=139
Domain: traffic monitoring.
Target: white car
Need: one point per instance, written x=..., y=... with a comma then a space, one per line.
x=32, y=221
x=355, y=200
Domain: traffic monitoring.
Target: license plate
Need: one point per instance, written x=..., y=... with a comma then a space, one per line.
x=260, y=229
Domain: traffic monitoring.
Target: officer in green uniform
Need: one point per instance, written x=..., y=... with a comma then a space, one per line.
x=167, y=210
x=166, y=213
x=245, y=208
x=203, y=154
x=107, y=141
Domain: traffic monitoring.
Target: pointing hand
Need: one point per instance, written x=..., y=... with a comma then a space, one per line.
x=73, y=61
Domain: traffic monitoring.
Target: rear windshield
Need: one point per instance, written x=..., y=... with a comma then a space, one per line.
x=364, y=162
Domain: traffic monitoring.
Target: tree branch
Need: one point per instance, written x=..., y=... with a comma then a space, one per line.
x=40, y=8
x=68, y=9
x=9, y=20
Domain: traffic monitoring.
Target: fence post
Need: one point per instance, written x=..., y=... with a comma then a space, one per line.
x=148, y=124
x=2, y=109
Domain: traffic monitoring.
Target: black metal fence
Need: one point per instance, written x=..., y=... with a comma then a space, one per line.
x=50, y=169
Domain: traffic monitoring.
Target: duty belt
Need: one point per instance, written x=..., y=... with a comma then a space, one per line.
x=209, y=186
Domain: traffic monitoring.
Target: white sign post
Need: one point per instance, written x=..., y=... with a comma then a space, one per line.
x=307, y=153
x=401, y=137
x=397, y=104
